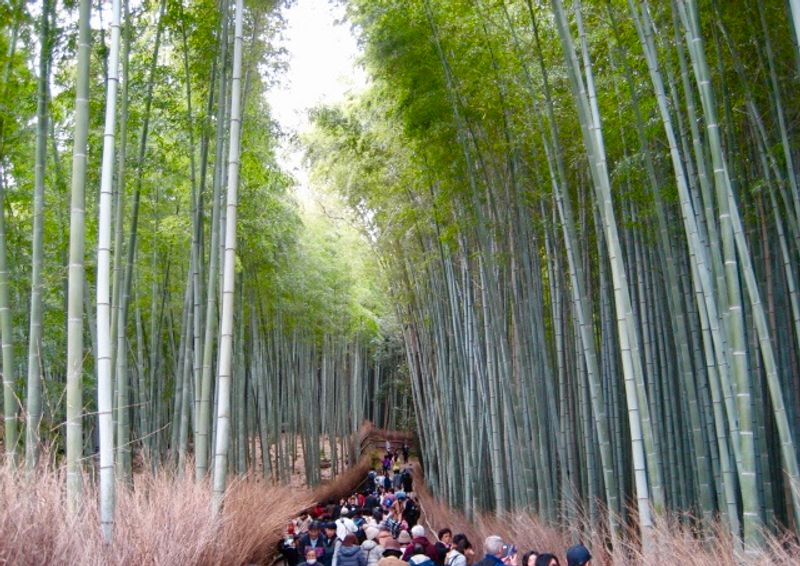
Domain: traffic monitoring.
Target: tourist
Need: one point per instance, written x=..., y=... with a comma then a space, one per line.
x=460, y=551
x=392, y=548
x=403, y=539
x=406, y=479
x=547, y=559
x=311, y=558
x=493, y=548
x=384, y=536
x=442, y=545
x=419, y=556
x=410, y=510
x=405, y=452
x=391, y=561
x=529, y=558
x=418, y=538
x=349, y=553
x=578, y=555
x=372, y=550
x=303, y=522
x=313, y=539
x=328, y=543
x=375, y=516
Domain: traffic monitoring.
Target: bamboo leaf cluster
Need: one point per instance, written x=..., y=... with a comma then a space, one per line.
x=589, y=216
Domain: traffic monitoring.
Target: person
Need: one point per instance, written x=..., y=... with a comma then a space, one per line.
x=397, y=479
x=313, y=539
x=403, y=539
x=392, y=548
x=442, y=545
x=509, y=557
x=349, y=553
x=547, y=559
x=387, y=462
x=410, y=510
x=406, y=480
x=418, y=539
x=529, y=558
x=459, y=552
x=391, y=561
x=328, y=544
x=493, y=548
x=311, y=558
x=370, y=547
x=405, y=452
x=369, y=484
x=288, y=547
x=393, y=522
x=419, y=557
x=303, y=522
x=578, y=555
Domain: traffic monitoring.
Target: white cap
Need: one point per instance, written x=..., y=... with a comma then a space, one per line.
x=417, y=531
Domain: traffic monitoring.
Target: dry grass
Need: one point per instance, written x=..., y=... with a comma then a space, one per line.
x=164, y=519
x=673, y=542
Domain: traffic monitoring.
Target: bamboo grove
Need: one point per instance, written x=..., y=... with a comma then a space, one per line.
x=589, y=213
x=163, y=301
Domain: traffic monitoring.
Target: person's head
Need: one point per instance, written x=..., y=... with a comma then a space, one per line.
x=313, y=529
x=529, y=558
x=461, y=543
x=330, y=529
x=404, y=537
x=311, y=555
x=377, y=514
x=419, y=548
x=578, y=555
x=417, y=531
x=445, y=535
x=350, y=540
x=547, y=559
x=371, y=532
x=493, y=546
x=303, y=514
x=392, y=548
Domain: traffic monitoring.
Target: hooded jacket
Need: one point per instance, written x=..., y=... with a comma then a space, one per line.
x=350, y=556
x=372, y=552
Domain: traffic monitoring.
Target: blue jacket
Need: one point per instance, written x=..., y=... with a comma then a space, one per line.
x=350, y=556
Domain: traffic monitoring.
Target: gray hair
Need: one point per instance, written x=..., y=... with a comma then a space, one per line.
x=493, y=545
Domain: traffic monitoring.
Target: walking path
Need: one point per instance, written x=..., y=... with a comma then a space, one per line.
x=383, y=514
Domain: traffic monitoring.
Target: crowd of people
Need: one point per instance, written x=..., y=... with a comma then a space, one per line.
x=378, y=526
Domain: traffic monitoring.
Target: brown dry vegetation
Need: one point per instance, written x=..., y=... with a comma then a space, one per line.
x=673, y=542
x=164, y=519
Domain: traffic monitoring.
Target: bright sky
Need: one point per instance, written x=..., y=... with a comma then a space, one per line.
x=322, y=69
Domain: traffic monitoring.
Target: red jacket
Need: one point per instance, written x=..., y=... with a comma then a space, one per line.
x=430, y=549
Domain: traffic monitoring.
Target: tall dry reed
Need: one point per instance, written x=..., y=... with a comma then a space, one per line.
x=673, y=542
x=163, y=519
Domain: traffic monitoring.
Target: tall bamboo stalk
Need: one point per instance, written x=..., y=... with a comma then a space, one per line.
x=76, y=269
x=228, y=282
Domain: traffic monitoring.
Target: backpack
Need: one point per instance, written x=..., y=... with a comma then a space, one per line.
x=393, y=526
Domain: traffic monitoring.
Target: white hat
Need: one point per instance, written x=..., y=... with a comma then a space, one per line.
x=417, y=531
x=371, y=532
